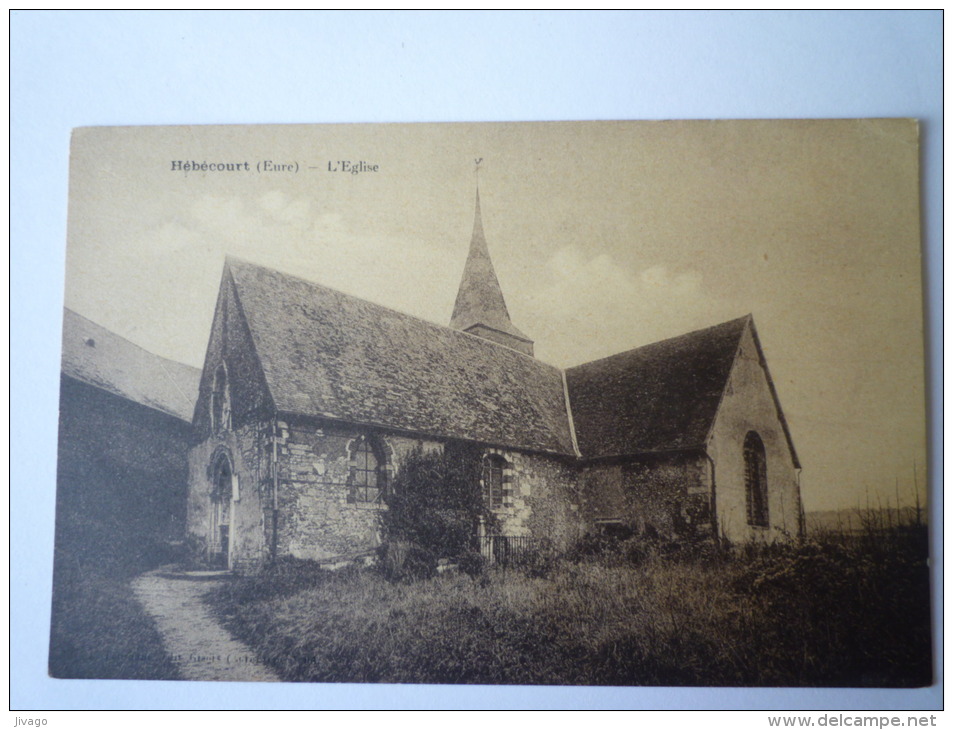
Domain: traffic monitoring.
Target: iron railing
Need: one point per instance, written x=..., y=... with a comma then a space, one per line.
x=506, y=549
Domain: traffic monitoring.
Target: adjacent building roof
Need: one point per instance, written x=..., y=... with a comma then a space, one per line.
x=660, y=397
x=96, y=356
x=325, y=353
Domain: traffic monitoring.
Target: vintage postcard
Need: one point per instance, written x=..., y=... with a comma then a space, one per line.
x=578, y=403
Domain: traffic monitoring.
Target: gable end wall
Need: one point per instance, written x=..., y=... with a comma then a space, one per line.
x=246, y=441
x=748, y=405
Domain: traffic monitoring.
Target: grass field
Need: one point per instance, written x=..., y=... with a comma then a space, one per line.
x=99, y=630
x=836, y=611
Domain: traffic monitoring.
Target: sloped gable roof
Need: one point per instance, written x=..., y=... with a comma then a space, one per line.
x=97, y=356
x=660, y=397
x=325, y=353
x=774, y=394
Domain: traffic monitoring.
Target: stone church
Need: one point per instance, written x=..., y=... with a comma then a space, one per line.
x=310, y=400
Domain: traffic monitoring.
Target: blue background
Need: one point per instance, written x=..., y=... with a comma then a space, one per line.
x=72, y=69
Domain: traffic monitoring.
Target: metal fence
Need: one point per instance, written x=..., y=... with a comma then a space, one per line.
x=506, y=549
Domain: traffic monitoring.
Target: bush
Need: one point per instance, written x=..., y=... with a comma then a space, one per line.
x=624, y=547
x=402, y=560
x=598, y=546
x=472, y=563
x=839, y=604
x=541, y=563
x=434, y=502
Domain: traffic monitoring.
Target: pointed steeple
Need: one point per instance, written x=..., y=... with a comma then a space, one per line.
x=480, y=308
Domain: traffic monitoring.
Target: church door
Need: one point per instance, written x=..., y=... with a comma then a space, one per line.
x=220, y=538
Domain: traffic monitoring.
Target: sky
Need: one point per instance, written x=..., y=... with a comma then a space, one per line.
x=604, y=235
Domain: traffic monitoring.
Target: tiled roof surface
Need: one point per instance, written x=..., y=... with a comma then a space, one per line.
x=659, y=397
x=326, y=353
x=99, y=357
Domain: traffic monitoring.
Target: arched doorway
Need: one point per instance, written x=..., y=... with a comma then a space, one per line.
x=220, y=538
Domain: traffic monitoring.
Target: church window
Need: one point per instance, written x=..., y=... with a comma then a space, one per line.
x=368, y=477
x=220, y=406
x=756, y=480
x=493, y=467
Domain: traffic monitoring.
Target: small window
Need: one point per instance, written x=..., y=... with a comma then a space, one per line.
x=493, y=467
x=756, y=480
x=368, y=477
x=220, y=406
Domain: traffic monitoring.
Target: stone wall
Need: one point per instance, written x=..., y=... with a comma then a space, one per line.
x=244, y=436
x=318, y=516
x=245, y=448
x=664, y=496
x=541, y=499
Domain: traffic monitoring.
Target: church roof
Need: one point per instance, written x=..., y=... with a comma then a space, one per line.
x=660, y=397
x=480, y=298
x=325, y=353
x=94, y=355
x=328, y=354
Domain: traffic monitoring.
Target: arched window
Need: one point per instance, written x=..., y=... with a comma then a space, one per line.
x=368, y=476
x=220, y=406
x=493, y=467
x=756, y=480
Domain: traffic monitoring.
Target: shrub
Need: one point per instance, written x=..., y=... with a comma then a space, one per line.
x=597, y=546
x=838, y=604
x=402, y=560
x=540, y=563
x=472, y=563
x=195, y=555
x=434, y=501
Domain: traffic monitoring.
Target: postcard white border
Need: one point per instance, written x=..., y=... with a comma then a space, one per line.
x=72, y=69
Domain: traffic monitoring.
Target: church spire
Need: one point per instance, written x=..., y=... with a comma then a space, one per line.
x=480, y=308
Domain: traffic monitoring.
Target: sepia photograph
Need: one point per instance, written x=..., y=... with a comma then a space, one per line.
x=615, y=403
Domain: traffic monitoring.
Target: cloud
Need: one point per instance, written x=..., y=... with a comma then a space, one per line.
x=287, y=233
x=280, y=208
x=575, y=304
x=162, y=279
x=586, y=305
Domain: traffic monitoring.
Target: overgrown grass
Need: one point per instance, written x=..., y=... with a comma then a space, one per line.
x=98, y=630
x=841, y=612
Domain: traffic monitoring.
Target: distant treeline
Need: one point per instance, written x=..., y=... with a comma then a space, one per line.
x=861, y=520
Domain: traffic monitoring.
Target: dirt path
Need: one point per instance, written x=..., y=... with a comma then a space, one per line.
x=200, y=648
